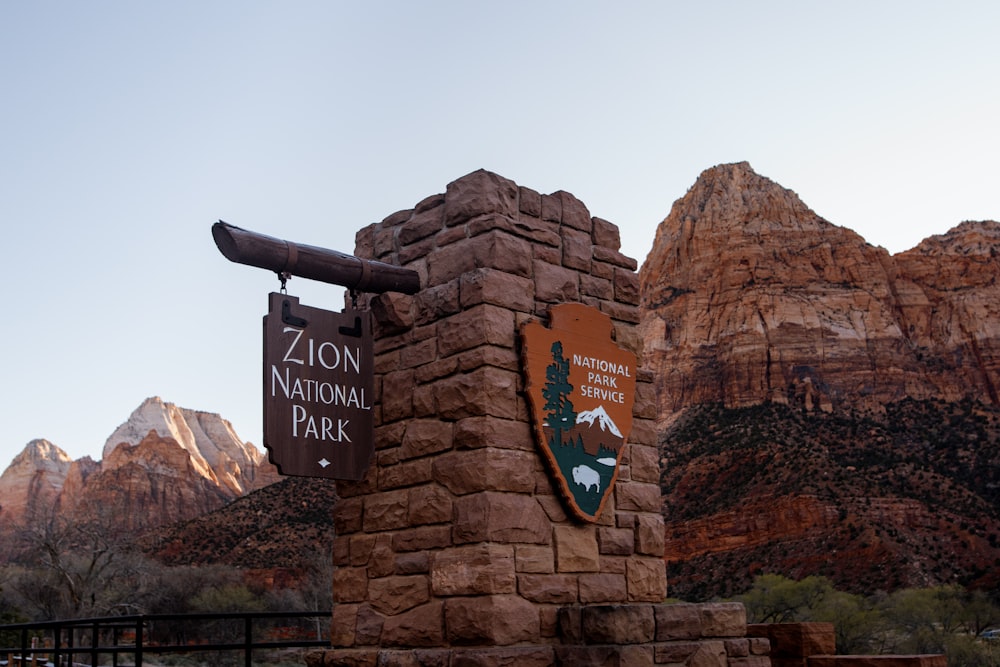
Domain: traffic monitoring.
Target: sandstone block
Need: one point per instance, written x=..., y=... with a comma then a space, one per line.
x=502, y=251
x=534, y=559
x=597, y=287
x=414, y=562
x=649, y=535
x=638, y=497
x=576, y=249
x=647, y=580
x=360, y=547
x=548, y=588
x=618, y=624
x=615, y=258
x=350, y=584
x=602, y=588
x=486, y=469
x=617, y=541
x=418, y=353
x=555, y=284
x=475, y=432
x=397, y=396
x=342, y=624
x=426, y=436
x=530, y=202
x=385, y=511
x=538, y=232
x=421, y=225
x=368, y=628
x=490, y=355
x=381, y=562
x=574, y=212
x=606, y=234
x=448, y=263
x=484, y=391
x=421, y=626
x=644, y=463
x=499, y=620
x=482, y=569
x=627, y=287
x=394, y=594
x=435, y=370
x=551, y=208
x=677, y=621
x=497, y=288
x=514, y=656
x=737, y=648
x=693, y=654
x=416, y=251
x=500, y=517
x=481, y=325
x=422, y=537
x=723, y=619
x=394, y=312
x=403, y=474
x=429, y=504
x=436, y=302
x=347, y=514
x=576, y=549
x=479, y=193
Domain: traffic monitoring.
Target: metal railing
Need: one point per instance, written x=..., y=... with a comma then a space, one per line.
x=114, y=638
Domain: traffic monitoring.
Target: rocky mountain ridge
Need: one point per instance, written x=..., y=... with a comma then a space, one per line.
x=750, y=296
x=162, y=465
x=825, y=407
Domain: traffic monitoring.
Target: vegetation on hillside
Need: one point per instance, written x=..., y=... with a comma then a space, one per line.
x=269, y=551
x=908, y=498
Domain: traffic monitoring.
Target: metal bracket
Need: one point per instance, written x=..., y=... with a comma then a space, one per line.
x=289, y=319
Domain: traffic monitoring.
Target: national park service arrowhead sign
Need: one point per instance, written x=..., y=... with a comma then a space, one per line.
x=581, y=388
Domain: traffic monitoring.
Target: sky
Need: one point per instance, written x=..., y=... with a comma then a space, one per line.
x=130, y=127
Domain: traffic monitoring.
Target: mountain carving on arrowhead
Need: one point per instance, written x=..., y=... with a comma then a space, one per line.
x=602, y=419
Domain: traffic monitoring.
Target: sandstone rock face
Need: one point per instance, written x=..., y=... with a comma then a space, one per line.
x=749, y=296
x=33, y=481
x=216, y=453
x=164, y=464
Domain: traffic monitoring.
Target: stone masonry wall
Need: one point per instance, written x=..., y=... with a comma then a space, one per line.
x=455, y=543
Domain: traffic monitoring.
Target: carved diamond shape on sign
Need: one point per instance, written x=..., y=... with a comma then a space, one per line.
x=581, y=388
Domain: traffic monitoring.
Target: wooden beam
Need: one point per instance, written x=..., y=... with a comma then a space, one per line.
x=305, y=261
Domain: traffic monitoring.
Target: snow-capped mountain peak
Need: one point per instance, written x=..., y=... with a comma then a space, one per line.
x=599, y=415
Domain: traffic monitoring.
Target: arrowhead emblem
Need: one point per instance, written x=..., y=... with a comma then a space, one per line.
x=581, y=389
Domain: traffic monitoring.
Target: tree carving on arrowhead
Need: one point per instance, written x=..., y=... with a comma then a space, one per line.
x=559, y=413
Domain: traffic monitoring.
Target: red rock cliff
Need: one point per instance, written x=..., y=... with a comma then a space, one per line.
x=749, y=296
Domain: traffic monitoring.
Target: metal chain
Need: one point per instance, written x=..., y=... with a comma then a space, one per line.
x=284, y=277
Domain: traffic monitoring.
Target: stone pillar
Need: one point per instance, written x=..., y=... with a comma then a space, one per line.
x=455, y=549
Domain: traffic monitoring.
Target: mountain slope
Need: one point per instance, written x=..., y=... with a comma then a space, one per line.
x=825, y=407
x=749, y=296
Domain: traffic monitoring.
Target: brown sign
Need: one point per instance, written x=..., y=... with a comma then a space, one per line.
x=581, y=387
x=318, y=390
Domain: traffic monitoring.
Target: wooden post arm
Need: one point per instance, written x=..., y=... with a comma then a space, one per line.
x=305, y=261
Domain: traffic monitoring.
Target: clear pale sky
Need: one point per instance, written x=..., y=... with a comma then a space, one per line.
x=130, y=127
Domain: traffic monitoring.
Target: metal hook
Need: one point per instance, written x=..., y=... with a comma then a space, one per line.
x=284, y=277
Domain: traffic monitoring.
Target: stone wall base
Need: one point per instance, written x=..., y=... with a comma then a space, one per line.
x=630, y=635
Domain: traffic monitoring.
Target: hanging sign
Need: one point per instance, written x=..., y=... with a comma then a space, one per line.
x=319, y=383
x=581, y=388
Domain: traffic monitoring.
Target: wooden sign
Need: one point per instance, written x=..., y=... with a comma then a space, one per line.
x=319, y=383
x=581, y=388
